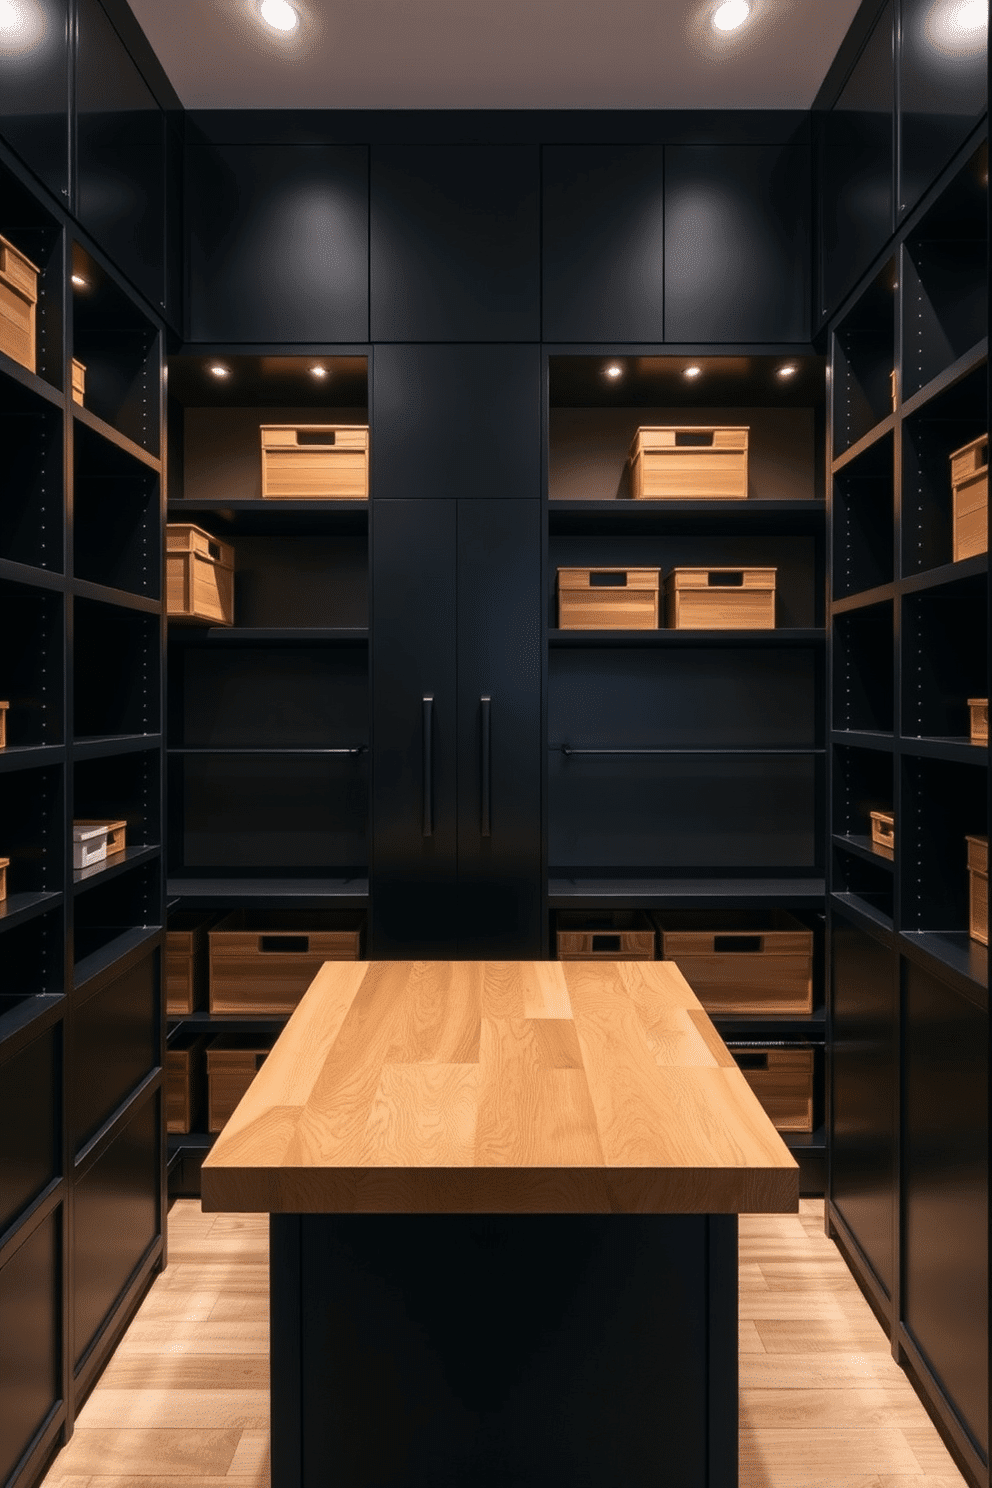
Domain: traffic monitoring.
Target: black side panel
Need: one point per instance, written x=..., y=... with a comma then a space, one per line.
x=944, y=92
x=34, y=96
x=456, y=421
x=120, y=192
x=946, y=1191
x=278, y=243
x=30, y=1309
x=863, y=1120
x=113, y=1046
x=455, y=243
x=499, y=776
x=30, y=1123
x=737, y=243
x=604, y=242
x=414, y=793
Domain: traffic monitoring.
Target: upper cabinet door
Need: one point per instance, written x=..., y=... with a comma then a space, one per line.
x=604, y=243
x=738, y=243
x=278, y=243
x=943, y=92
x=120, y=190
x=34, y=94
x=455, y=236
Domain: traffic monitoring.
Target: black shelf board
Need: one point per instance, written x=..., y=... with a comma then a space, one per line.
x=31, y=577
x=30, y=756
x=813, y=635
x=627, y=515
x=127, y=943
x=30, y=381
x=856, y=905
x=946, y=575
x=863, y=739
x=865, y=443
x=963, y=367
x=810, y=1142
x=687, y=752
x=657, y=893
x=112, y=867
x=957, y=751
x=808, y=1026
x=222, y=1023
x=199, y=1142
x=949, y=951
x=120, y=442
x=255, y=516
x=109, y=745
x=122, y=598
x=272, y=635
x=860, y=845
x=260, y=752
x=864, y=600
x=17, y=909
x=273, y=893
x=28, y=1014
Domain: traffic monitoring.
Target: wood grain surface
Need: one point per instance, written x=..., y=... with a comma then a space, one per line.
x=495, y=1087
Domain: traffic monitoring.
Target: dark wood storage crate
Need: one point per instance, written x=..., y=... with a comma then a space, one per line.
x=978, y=888
x=781, y=1076
x=262, y=961
x=883, y=832
x=970, y=498
x=185, y=1065
x=689, y=463
x=187, y=960
x=199, y=571
x=720, y=599
x=740, y=963
x=4, y=865
x=604, y=935
x=978, y=714
x=18, y=302
x=608, y=598
x=4, y=709
x=232, y=1064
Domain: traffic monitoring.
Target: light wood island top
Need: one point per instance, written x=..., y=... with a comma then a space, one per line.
x=500, y=1087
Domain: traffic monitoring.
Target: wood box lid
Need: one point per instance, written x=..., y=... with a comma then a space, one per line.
x=98, y=826
x=4, y=862
x=182, y=537
x=721, y=578
x=18, y=270
x=315, y=436
x=609, y=578
x=687, y=438
x=972, y=703
x=969, y=458
x=978, y=854
x=4, y=707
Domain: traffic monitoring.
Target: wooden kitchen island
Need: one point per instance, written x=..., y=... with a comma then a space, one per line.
x=504, y=1202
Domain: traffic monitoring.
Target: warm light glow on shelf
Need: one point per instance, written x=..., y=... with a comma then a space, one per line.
x=731, y=14
x=693, y=372
x=218, y=370
x=318, y=371
x=79, y=281
x=279, y=15
x=613, y=370
x=789, y=370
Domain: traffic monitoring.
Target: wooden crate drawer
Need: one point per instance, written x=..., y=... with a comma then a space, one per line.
x=978, y=888
x=720, y=599
x=78, y=381
x=187, y=962
x=970, y=498
x=18, y=301
x=608, y=598
x=184, y=1083
x=737, y=963
x=781, y=1076
x=199, y=572
x=689, y=464
x=232, y=1064
x=604, y=935
x=883, y=832
x=4, y=709
x=4, y=865
x=317, y=462
x=264, y=962
x=978, y=714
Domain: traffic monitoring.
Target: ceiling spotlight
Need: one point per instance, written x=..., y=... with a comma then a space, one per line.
x=789, y=370
x=972, y=14
x=731, y=14
x=318, y=371
x=9, y=18
x=79, y=280
x=279, y=14
x=692, y=372
x=613, y=370
x=219, y=370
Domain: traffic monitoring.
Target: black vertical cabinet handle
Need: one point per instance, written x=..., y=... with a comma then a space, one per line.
x=485, y=705
x=428, y=707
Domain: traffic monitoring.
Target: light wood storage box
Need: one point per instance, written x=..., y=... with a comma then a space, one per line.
x=232, y=1064
x=686, y=463
x=199, y=575
x=782, y=1079
x=4, y=865
x=78, y=381
x=970, y=498
x=978, y=724
x=608, y=598
x=978, y=888
x=604, y=935
x=187, y=962
x=4, y=709
x=262, y=962
x=736, y=966
x=315, y=462
x=720, y=598
x=184, y=1083
x=18, y=300
x=883, y=832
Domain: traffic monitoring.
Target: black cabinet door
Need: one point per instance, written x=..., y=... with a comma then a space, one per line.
x=34, y=93
x=943, y=92
x=863, y=1094
x=604, y=242
x=278, y=243
x=738, y=244
x=456, y=421
x=499, y=729
x=455, y=243
x=414, y=700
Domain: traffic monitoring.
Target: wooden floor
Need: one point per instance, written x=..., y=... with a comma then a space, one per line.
x=184, y=1402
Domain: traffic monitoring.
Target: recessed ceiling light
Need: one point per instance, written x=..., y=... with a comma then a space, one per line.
x=613, y=370
x=692, y=372
x=219, y=370
x=79, y=280
x=318, y=371
x=279, y=14
x=731, y=14
x=9, y=17
x=789, y=370
x=972, y=14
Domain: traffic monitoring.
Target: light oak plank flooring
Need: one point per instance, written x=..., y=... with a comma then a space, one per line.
x=184, y=1402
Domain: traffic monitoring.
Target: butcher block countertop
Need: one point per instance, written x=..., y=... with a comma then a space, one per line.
x=499, y=1087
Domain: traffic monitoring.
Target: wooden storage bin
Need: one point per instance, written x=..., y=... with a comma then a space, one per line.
x=316, y=462
x=262, y=962
x=978, y=723
x=604, y=935
x=4, y=865
x=720, y=598
x=186, y=962
x=689, y=464
x=18, y=300
x=184, y=1083
x=232, y=1064
x=883, y=832
x=736, y=964
x=782, y=1079
x=4, y=709
x=199, y=575
x=970, y=498
x=78, y=381
x=608, y=598
x=978, y=888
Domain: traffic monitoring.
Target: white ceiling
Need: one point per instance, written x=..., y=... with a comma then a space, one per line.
x=496, y=54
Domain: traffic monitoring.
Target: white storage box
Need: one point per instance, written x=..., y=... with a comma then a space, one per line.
x=95, y=841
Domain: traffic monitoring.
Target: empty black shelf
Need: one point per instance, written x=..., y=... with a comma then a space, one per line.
x=575, y=518
x=109, y=745
x=17, y=909
x=29, y=757
x=648, y=893
x=868, y=911
x=963, y=367
x=117, y=444
x=865, y=443
x=793, y=636
x=948, y=950
x=263, y=635
x=273, y=893
x=124, y=944
x=957, y=751
x=112, y=867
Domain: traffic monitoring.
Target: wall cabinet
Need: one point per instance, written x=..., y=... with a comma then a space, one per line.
x=943, y=92
x=34, y=115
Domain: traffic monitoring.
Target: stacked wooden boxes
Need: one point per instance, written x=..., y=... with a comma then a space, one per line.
x=184, y=1082
x=186, y=962
x=315, y=462
x=262, y=962
x=604, y=935
x=781, y=1076
x=232, y=1064
x=737, y=966
x=970, y=498
x=199, y=575
x=978, y=726
x=689, y=464
x=18, y=301
x=978, y=888
x=720, y=598
x=883, y=833
x=608, y=598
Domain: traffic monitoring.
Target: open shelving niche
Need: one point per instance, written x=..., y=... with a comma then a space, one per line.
x=686, y=768
x=269, y=718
